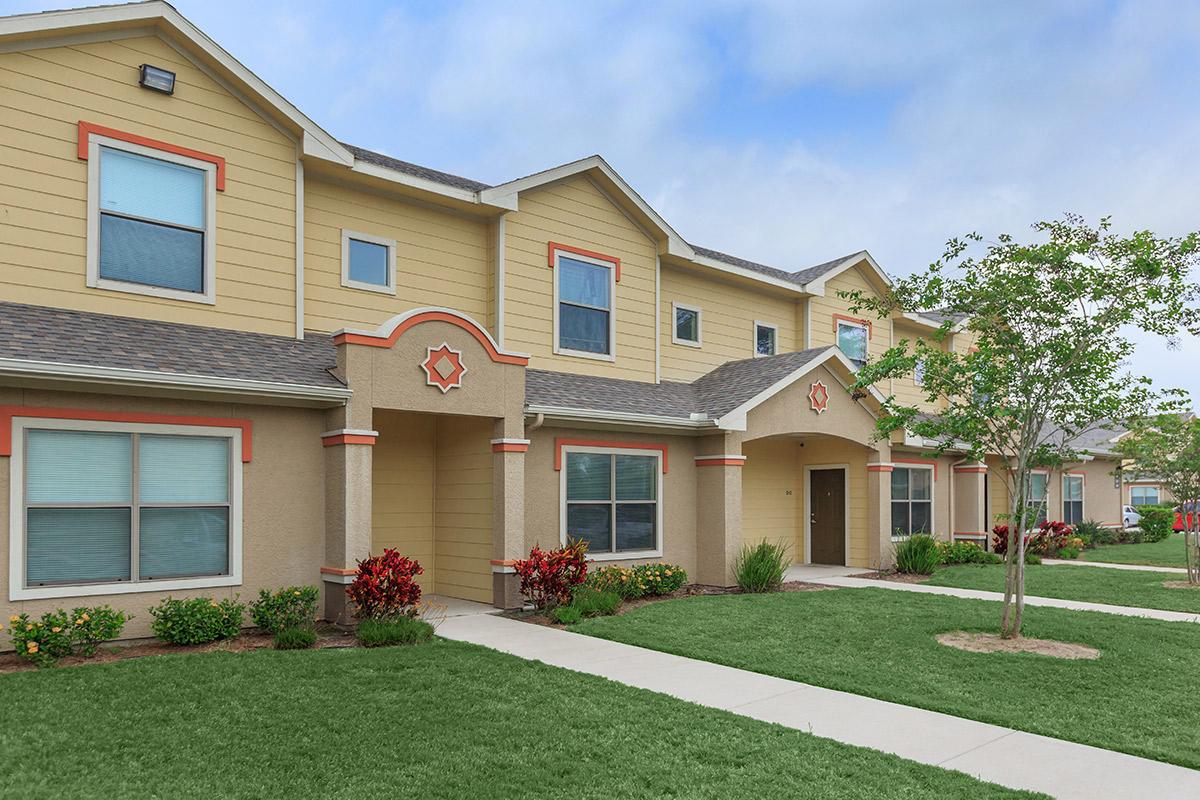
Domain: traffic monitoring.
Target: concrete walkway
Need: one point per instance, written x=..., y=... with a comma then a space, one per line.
x=1000, y=755
x=838, y=576
x=1135, y=567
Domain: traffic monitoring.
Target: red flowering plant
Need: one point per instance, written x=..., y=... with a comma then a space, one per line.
x=385, y=587
x=548, y=576
x=1048, y=539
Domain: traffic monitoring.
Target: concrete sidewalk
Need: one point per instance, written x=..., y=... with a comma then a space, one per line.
x=1135, y=567
x=992, y=753
x=838, y=576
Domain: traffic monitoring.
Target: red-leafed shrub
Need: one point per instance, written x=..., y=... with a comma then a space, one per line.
x=384, y=586
x=548, y=576
x=1048, y=539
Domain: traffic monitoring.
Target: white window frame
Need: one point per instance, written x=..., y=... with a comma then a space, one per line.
x=1157, y=494
x=658, y=502
x=1082, y=495
x=837, y=339
x=675, y=309
x=390, y=244
x=94, y=281
x=1045, y=502
x=559, y=350
x=754, y=339
x=17, y=589
x=932, y=497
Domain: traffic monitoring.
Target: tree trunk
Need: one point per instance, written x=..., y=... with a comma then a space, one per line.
x=1014, y=578
x=1191, y=539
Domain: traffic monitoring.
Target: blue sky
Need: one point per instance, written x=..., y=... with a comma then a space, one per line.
x=784, y=132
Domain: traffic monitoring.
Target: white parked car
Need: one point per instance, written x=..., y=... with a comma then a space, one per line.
x=1132, y=517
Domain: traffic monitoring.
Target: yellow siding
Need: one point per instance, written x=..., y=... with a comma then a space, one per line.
x=998, y=497
x=463, y=516
x=727, y=317
x=823, y=325
x=402, y=488
x=45, y=93
x=772, y=495
x=576, y=213
x=905, y=389
x=442, y=259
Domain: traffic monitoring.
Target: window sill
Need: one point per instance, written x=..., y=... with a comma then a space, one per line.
x=109, y=285
x=685, y=342
x=369, y=287
x=125, y=587
x=562, y=351
x=625, y=556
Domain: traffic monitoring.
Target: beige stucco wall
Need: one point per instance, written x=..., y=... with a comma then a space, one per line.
x=1102, y=499
x=574, y=212
x=442, y=258
x=46, y=92
x=678, y=499
x=282, y=502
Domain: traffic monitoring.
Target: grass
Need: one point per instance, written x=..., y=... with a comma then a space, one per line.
x=1119, y=587
x=442, y=720
x=1167, y=553
x=880, y=643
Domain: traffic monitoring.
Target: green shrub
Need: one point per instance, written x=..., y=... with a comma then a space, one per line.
x=1104, y=535
x=1068, y=552
x=625, y=581
x=299, y=637
x=917, y=555
x=951, y=553
x=393, y=631
x=761, y=567
x=290, y=607
x=196, y=621
x=1157, y=523
x=595, y=603
x=566, y=615
x=1130, y=535
x=1032, y=558
x=59, y=634
x=660, y=579
x=1089, y=531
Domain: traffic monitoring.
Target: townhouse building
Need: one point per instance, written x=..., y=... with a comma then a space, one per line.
x=238, y=353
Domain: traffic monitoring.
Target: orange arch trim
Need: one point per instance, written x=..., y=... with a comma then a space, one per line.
x=369, y=340
x=8, y=412
x=86, y=128
x=559, y=444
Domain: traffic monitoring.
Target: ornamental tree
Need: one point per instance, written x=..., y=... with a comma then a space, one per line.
x=1167, y=447
x=1032, y=351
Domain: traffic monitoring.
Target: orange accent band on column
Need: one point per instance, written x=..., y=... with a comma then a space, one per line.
x=509, y=447
x=86, y=128
x=430, y=316
x=559, y=444
x=879, y=468
x=551, y=247
x=720, y=462
x=924, y=462
x=337, y=571
x=8, y=412
x=972, y=534
x=347, y=438
x=971, y=470
x=855, y=320
x=507, y=562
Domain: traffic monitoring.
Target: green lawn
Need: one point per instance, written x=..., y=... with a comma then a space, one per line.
x=1137, y=697
x=1167, y=553
x=443, y=720
x=1119, y=587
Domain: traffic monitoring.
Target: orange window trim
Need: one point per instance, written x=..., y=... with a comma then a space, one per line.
x=553, y=247
x=854, y=321
x=8, y=412
x=923, y=462
x=347, y=438
x=559, y=444
x=368, y=340
x=86, y=128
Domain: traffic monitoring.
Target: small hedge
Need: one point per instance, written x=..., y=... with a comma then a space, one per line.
x=197, y=621
x=634, y=582
x=761, y=567
x=393, y=631
x=297, y=638
x=1157, y=522
x=290, y=607
x=917, y=555
x=952, y=553
x=59, y=634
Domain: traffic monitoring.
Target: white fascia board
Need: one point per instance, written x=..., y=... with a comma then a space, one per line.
x=323, y=145
x=506, y=195
x=817, y=285
x=566, y=414
x=86, y=373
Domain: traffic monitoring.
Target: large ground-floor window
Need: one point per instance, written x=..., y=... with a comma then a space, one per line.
x=108, y=507
x=611, y=500
x=1143, y=495
x=912, y=501
x=1072, y=499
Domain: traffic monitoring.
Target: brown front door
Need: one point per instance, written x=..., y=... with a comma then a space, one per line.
x=827, y=531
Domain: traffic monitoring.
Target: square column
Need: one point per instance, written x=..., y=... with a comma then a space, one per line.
x=348, y=455
x=880, y=554
x=508, y=515
x=970, y=482
x=718, y=510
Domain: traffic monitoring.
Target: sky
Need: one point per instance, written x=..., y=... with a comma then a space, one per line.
x=788, y=133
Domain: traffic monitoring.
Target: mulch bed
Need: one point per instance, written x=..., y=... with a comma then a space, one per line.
x=894, y=577
x=992, y=643
x=691, y=590
x=328, y=635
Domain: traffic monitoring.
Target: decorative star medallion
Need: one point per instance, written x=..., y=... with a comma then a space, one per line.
x=443, y=367
x=818, y=397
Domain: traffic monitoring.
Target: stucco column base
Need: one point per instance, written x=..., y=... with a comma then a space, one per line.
x=969, y=487
x=880, y=553
x=347, y=521
x=506, y=590
x=508, y=511
x=718, y=515
x=337, y=607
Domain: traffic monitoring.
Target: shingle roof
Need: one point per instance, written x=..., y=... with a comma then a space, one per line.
x=416, y=170
x=799, y=277
x=61, y=336
x=713, y=395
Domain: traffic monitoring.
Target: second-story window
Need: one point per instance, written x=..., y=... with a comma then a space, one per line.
x=765, y=337
x=584, y=306
x=368, y=262
x=687, y=325
x=152, y=220
x=852, y=340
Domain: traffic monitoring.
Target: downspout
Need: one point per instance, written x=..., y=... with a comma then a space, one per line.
x=538, y=421
x=299, y=246
x=500, y=281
